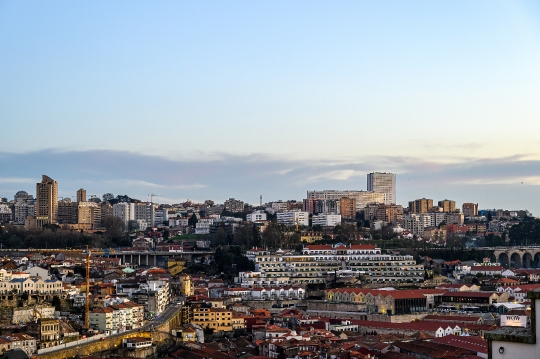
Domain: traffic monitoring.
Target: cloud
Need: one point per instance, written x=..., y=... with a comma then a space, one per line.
x=494, y=182
x=17, y=180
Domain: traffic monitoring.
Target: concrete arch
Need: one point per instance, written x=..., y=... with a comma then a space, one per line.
x=504, y=260
x=515, y=260
x=527, y=260
x=536, y=260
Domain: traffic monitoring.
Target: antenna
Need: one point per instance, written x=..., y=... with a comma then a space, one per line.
x=261, y=201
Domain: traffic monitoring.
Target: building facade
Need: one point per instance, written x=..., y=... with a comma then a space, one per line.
x=46, y=207
x=380, y=182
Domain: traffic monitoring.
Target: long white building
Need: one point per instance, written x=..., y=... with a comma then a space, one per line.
x=326, y=220
x=291, y=218
x=322, y=263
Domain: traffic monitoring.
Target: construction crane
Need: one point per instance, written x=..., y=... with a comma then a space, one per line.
x=88, y=260
x=152, y=195
x=87, y=308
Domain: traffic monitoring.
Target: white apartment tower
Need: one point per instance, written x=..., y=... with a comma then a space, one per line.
x=383, y=183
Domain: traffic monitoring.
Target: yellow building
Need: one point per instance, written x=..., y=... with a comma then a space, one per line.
x=176, y=266
x=238, y=322
x=215, y=318
x=186, y=285
x=309, y=237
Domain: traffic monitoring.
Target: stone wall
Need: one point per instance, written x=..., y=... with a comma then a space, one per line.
x=160, y=335
x=404, y=318
x=335, y=307
x=267, y=304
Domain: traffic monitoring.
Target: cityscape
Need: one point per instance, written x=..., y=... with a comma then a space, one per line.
x=285, y=279
x=269, y=179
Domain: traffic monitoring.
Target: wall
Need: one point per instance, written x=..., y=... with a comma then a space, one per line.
x=267, y=304
x=160, y=334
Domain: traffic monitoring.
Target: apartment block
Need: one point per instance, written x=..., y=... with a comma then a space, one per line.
x=322, y=263
x=380, y=182
x=234, y=206
x=470, y=209
x=422, y=205
x=455, y=218
x=257, y=216
x=447, y=205
x=46, y=206
x=347, y=207
x=362, y=197
x=124, y=211
x=215, y=318
x=415, y=223
x=292, y=218
x=326, y=220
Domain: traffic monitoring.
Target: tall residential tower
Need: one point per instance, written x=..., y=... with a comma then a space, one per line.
x=383, y=183
x=46, y=207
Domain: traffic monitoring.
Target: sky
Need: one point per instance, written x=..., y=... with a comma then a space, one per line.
x=211, y=100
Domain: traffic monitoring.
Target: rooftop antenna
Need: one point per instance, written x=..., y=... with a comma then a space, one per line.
x=261, y=200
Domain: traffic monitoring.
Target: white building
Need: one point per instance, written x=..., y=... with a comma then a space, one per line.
x=326, y=220
x=279, y=206
x=145, y=212
x=293, y=217
x=161, y=216
x=383, y=183
x=256, y=216
x=124, y=211
x=415, y=223
x=455, y=218
x=321, y=263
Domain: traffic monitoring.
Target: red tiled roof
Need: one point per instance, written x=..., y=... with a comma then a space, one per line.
x=476, y=344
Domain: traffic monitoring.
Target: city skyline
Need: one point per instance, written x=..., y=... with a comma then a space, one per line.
x=163, y=196
x=220, y=100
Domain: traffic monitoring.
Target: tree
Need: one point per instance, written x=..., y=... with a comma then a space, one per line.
x=208, y=330
x=489, y=216
x=56, y=303
x=114, y=226
x=192, y=221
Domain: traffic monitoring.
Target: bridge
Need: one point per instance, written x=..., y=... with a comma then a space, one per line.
x=144, y=258
x=150, y=258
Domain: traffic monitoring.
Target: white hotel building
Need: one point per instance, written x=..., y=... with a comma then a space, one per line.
x=321, y=263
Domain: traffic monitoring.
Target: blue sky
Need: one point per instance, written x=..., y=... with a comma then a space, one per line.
x=235, y=99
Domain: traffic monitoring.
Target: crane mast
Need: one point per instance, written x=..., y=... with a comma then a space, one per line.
x=87, y=302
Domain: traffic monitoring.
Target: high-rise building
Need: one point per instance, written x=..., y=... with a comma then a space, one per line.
x=124, y=211
x=46, y=207
x=422, y=205
x=81, y=195
x=383, y=183
x=447, y=205
x=347, y=207
x=23, y=207
x=470, y=209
